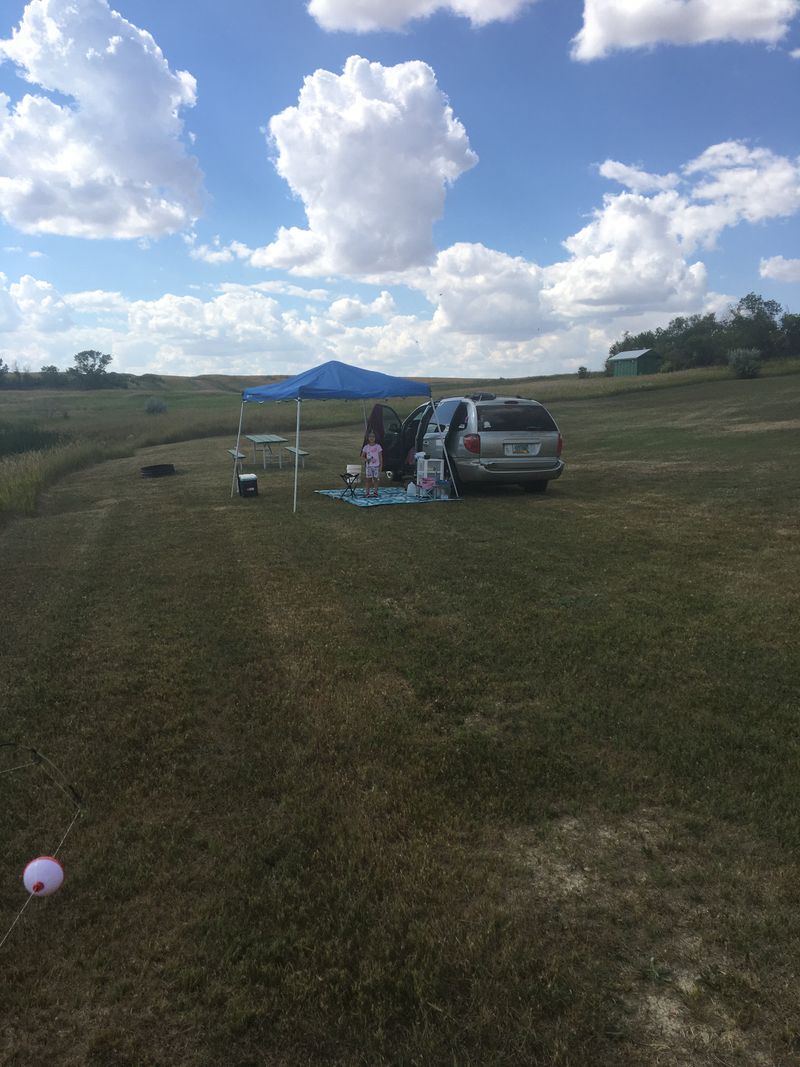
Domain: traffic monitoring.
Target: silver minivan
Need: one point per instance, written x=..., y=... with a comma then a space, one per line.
x=489, y=439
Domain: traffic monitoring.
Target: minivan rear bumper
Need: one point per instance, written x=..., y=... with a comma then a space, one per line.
x=511, y=471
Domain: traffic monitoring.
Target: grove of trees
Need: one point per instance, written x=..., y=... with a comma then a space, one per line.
x=705, y=340
x=89, y=371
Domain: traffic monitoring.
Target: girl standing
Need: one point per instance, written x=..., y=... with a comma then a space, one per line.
x=372, y=454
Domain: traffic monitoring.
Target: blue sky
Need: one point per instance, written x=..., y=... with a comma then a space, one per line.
x=450, y=187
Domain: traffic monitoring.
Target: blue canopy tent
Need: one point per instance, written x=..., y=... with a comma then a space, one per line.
x=328, y=381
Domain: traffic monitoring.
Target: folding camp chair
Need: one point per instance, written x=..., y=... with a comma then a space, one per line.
x=351, y=478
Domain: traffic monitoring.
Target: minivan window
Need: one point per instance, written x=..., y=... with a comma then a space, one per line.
x=415, y=426
x=460, y=417
x=509, y=417
x=391, y=420
x=444, y=413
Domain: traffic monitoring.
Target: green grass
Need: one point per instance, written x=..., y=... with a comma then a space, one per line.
x=511, y=780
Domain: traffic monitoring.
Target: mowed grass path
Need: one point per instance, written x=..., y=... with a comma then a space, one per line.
x=506, y=781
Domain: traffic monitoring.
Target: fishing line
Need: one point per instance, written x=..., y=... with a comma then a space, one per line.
x=19, y=916
x=20, y=767
x=75, y=818
x=56, y=776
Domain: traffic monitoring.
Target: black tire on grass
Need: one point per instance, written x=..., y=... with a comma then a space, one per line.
x=158, y=470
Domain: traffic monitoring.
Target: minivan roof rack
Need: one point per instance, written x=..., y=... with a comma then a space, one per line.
x=483, y=396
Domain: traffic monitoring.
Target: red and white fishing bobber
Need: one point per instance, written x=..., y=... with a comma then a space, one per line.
x=43, y=876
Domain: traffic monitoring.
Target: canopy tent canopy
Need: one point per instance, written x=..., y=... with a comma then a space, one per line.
x=336, y=381
x=328, y=381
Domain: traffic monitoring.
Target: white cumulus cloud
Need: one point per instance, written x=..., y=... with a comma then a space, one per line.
x=346, y=309
x=370, y=153
x=638, y=181
x=480, y=291
x=609, y=25
x=216, y=253
x=281, y=288
x=40, y=305
x=627, y=258
x=782, y=270
x=635, y=256
x=735, y=183
x=109, y=160
x=727, y=184
x=10, y=317
x=238, y=315
x=364, y=16
x=98, y=302
x=301, y=251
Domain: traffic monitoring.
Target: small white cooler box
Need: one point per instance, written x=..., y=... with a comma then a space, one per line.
x=248, y=484
x=430, y=468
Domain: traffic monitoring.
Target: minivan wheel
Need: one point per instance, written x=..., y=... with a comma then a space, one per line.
x=535, y=487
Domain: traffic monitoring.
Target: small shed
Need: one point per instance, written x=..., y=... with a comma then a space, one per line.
x=641, y=361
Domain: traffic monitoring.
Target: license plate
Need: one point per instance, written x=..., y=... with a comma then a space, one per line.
x=521, y=448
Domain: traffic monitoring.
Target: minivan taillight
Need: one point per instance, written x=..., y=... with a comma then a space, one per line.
x=472, y=443
x=559, y=446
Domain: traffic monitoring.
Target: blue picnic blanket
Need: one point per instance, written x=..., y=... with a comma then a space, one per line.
x=386, y=495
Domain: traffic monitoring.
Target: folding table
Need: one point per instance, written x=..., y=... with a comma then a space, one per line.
x=265, y=441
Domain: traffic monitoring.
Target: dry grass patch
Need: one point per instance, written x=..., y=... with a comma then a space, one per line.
x=762, y=427
x=685, y=919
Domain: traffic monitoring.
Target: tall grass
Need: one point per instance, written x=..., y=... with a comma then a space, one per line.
x=22, y=438
x=23, y=476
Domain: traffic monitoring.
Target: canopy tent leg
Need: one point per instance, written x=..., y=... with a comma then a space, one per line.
x=296, y=453
x=236, y=453
x=445, y=454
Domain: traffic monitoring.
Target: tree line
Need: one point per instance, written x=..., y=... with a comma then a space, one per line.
x=89, y=371
x=705, y=340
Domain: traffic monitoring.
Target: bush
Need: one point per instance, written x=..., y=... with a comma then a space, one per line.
x=155, y=406
x=583, y=372
x=745, y=362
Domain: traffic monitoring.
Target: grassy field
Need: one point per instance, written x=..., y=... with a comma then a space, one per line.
x=506, y=781
x=83, y=426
